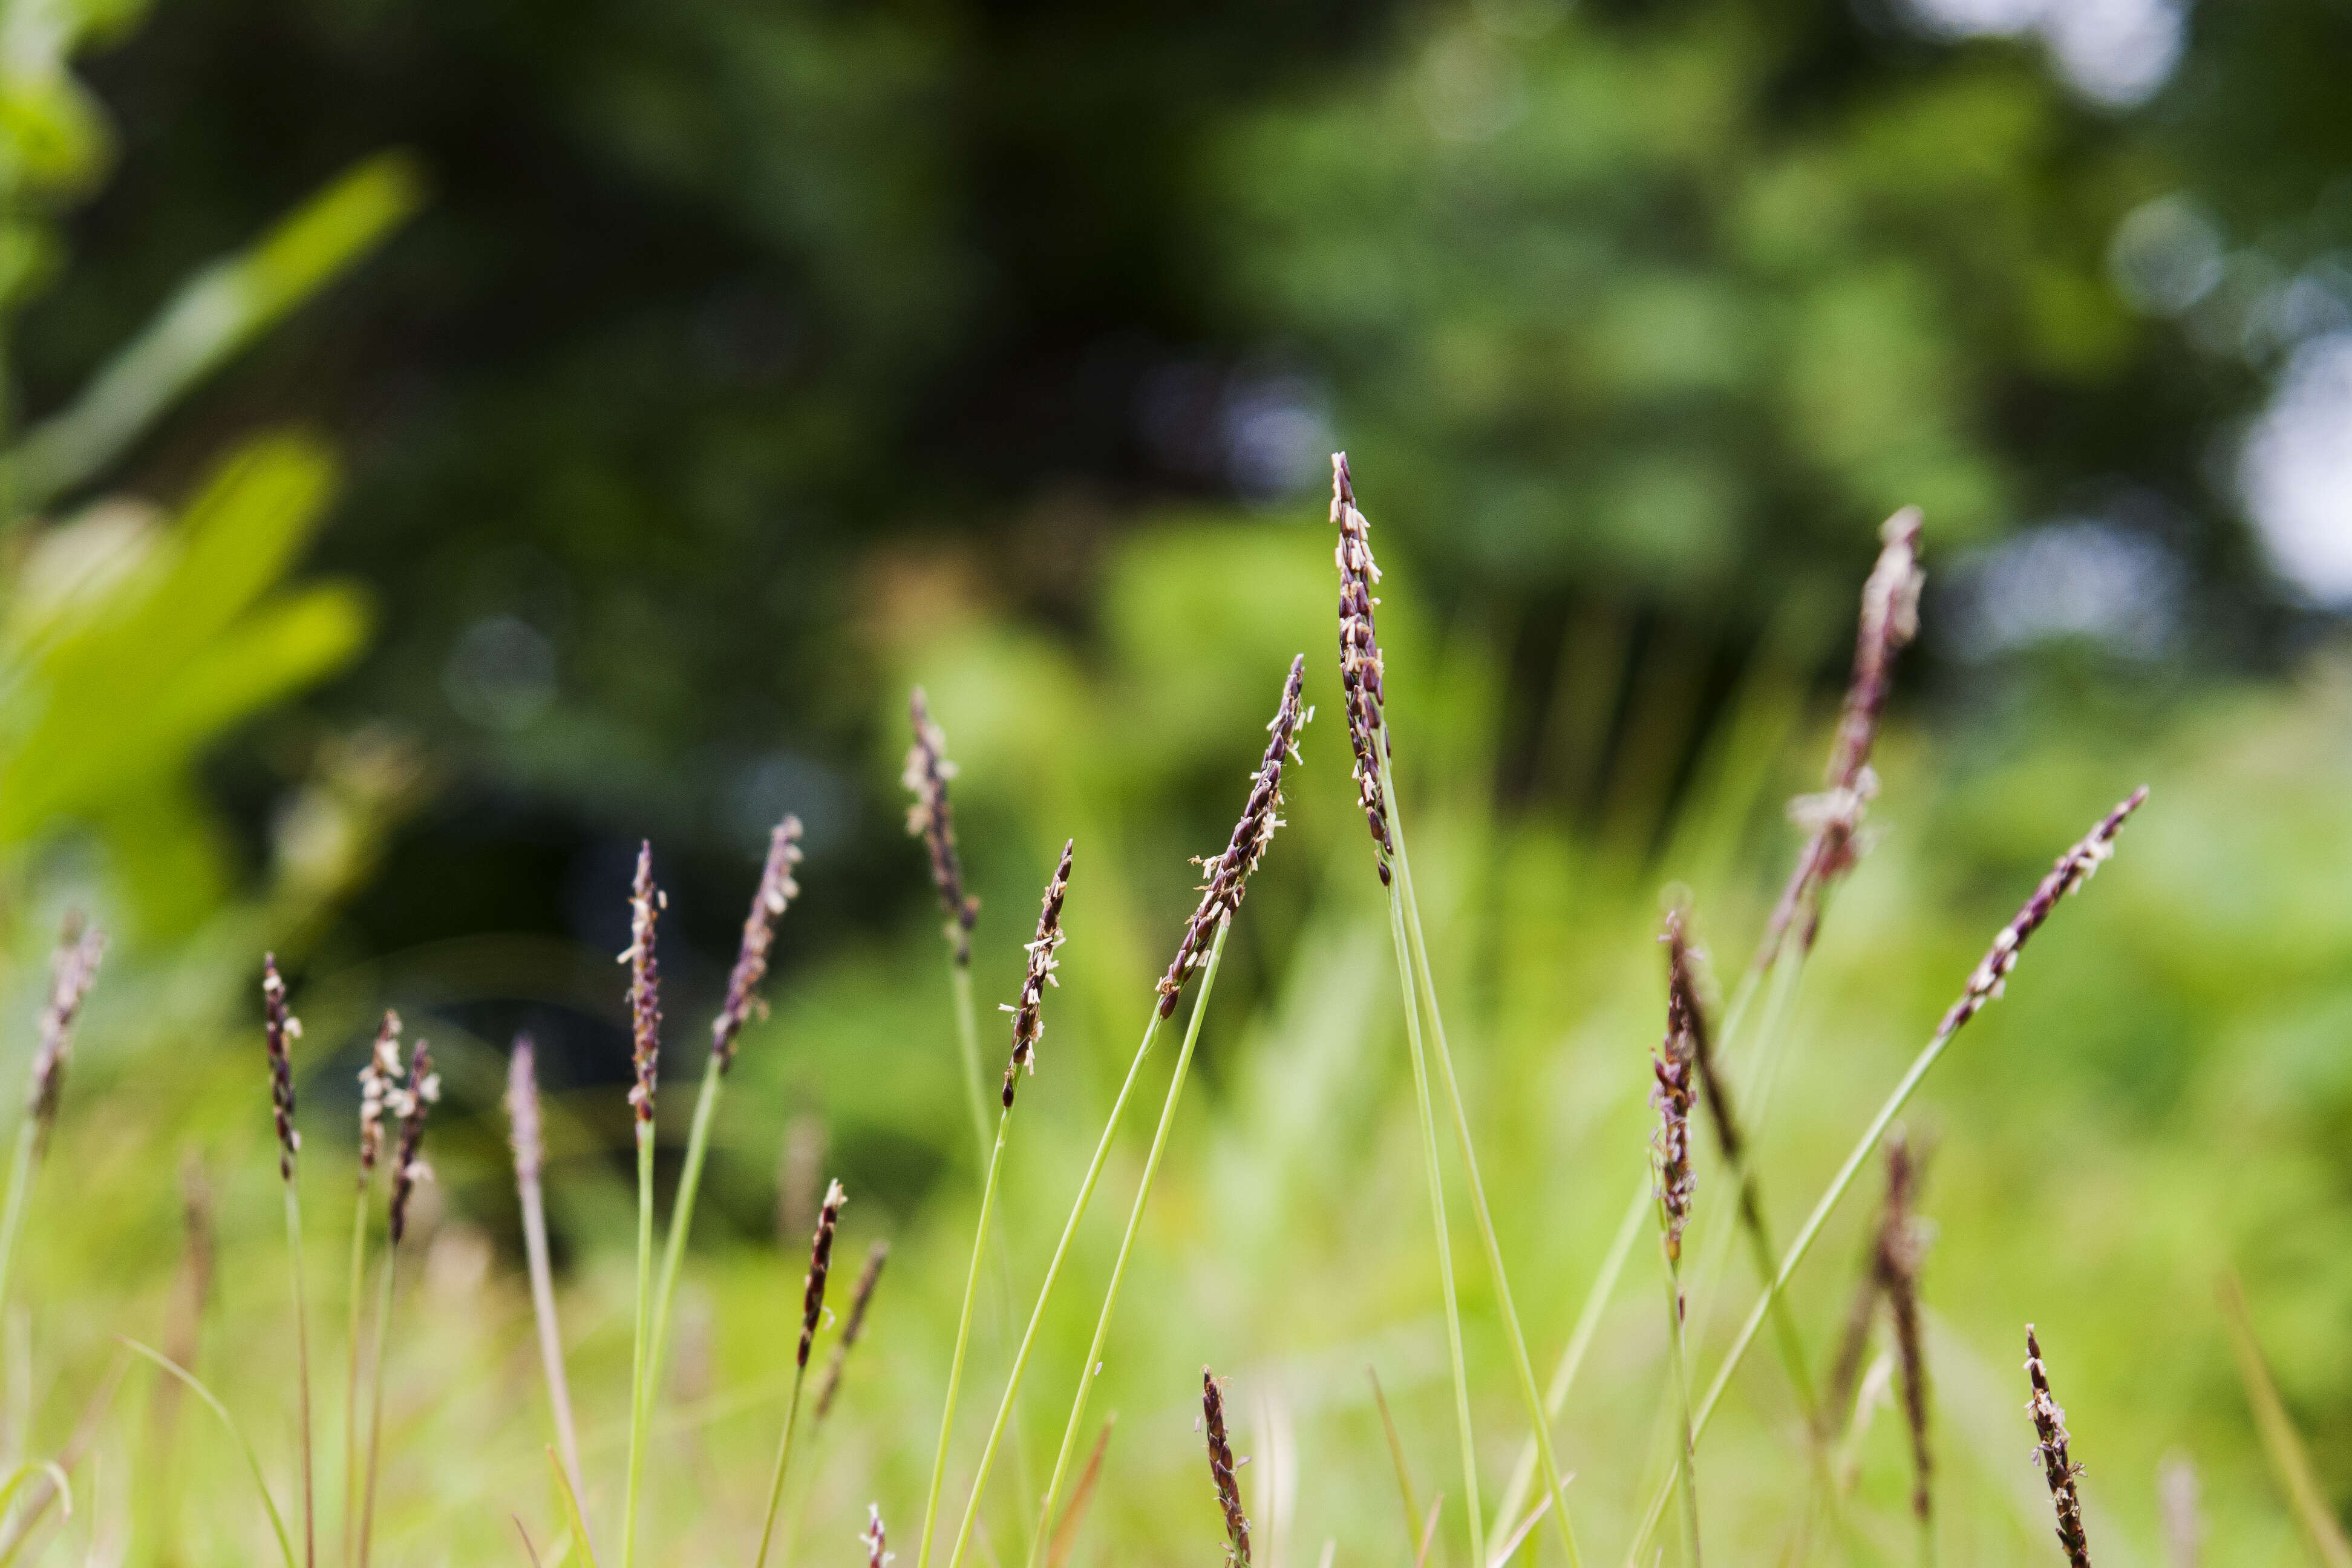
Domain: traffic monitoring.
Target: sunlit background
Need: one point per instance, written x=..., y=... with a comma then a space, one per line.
x=451, y=443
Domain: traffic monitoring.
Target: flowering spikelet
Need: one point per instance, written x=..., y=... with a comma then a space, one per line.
x=874, y=1539
x=776, y=889
x=2074, y=868
x=1889, y=619
x=1221, y=1470
x=72, y=967
x=411, y=1102
x=2057, y=1467
x=1675, y=1066
x=377, y=1080
x=277, y=1027
x=1028, y=1020
x=820, y=1264
x=1224, y=879
x=859, y=1300
x=1902, y=1244
x=1360, y=655
x=1684, y=965
x=930, y=819
x=644, y=984
x=524, y=1133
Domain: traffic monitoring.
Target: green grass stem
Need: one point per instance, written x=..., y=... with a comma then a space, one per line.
x=784, y=1460
x=355, y=1290
x=639, y=1415
x=384, y=1301
x=303, y=1368
x=964, y=1336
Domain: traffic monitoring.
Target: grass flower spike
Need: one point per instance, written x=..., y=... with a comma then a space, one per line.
x=776, y=891
x=874, y=1539
x=860, y=1298
x=645, y=902
x=1902, y=1245
x=72, y=967
x=411, y=1101
x=1360, y=655
x=279, y=1026
x=2058, y=1467
x=1221, y=1470
x=812, y=1314
x=1028, y=1023
x=930, y=819
x=1675, y=1069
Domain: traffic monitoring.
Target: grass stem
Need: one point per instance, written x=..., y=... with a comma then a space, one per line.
x=12, y=1218
x=968, y=1046
x=354, y=1292
x=551, y=1342
x=384, y=1301
x=681, y=1222
x=783, y=1458
x=1088, y=1369
x=1547, y=1460
x=639, y=1415
x=303, y=1369
x=1686, y=1464
x=964, y=1336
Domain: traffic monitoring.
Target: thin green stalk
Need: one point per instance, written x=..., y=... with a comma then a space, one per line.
x=963, y=1335
x=681, y=1220
x=302, y=1367
x=12, y=1218
x=353, y=1291
x=1688, y=1461
x=1547, y=1459
x=783, y=1457
x=968, y=1043
x=638, y=1414
x=375, y=1412
x=1437, y=1218
x=1092, y=1364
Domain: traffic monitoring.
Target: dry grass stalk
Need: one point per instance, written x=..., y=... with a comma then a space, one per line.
x=1225, y=879
x=646, y=902
x=860, y=1298
x=1902, y=1245
x=776, y=891
x=72, y=968
x=279, y=1026
x=930, y=819
x=2058, y=1465
x=1028, y=1020
x=1221, y=1470
x=1360, y=655
x=1890, y=619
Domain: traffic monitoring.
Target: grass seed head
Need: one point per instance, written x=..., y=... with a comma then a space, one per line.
x=2058, y=1465
x=72, y=967
x=1686, y=1013
x=378, y=1079
x=874, y=1539
x=1902, y=1245
x=860, y=1298
x=411, y=1100
x=646, y=902
x=1227, y=877
x=2074, y=867
x=776, y=891
x=1674, y=1066
x=1832, y=820
x=820, y=1264
x=1360, y=655
x=523, y=1132
x=279, y=1026
x=1028, y=1015
x=1221, y=1470
x=930, y=819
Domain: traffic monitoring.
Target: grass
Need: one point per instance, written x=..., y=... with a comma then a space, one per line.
x=1247, y=1242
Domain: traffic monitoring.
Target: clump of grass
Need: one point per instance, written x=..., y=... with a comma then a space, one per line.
x=2058, y=1465
x=1221, y=1470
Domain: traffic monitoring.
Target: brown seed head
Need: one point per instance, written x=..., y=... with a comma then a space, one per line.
x=1221, y=1470
x=411, y=1102
x=2074, y=867
x=72, y=967
x=874, y=1539
x=1889, y=620
x=1225, y=879
x=1902, y=1245
x=646, y=902
x=277, y=1027
x=930, y=818
x=1675, y=1068
x=1686, y=1013
x=820, y=1263
x=1360, y=655
x=377, y=1080
x=776, y=891
x=859, y=1300
x=1028, y=1020
x=2058, y=1467
x=522, y=1109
